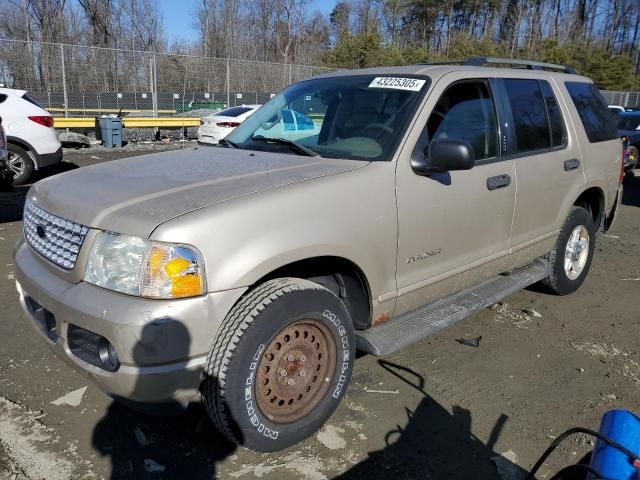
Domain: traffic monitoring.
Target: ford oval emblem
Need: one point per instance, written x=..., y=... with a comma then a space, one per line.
x=41, y=231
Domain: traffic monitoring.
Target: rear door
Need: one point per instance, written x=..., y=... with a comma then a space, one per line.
x=548, y=162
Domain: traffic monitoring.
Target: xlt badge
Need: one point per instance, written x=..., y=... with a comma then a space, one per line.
x=422, y=256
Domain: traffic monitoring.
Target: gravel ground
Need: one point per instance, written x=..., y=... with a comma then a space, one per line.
x=437, y=409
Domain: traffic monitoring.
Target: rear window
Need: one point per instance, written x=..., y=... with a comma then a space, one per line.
x=629, y=123
x=233, y=111
x=529, y=114
x=30, y=99
x=598, y=122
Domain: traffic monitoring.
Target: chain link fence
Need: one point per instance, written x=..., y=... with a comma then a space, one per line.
x=84, y=81
x=624, y=99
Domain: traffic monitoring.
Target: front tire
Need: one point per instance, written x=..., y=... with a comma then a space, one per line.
x=572, y=254
x=279, y=365
x=20, y=164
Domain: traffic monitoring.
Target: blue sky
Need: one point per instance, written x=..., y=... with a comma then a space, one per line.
x=179, y=16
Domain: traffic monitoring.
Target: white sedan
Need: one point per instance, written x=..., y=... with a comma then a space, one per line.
x=215, y=127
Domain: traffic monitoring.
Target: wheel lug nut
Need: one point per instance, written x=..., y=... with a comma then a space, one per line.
x=291, y=358
x=302, y=373
x=283, y=373
x=290, y=382
x=303, y=358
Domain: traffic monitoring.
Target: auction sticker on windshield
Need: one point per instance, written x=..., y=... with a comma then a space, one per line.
x=412, y=84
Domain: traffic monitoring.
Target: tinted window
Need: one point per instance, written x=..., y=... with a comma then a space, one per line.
x=2, y=98
x=629, y=122
x=466, y=112
x=31, y=100
x=596, y=118
x=529, y=115
x=556, y=124
x=233, y=112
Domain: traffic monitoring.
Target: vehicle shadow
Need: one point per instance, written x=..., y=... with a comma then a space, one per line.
x=631, y=195
x=12, y=202
x=435, y=443
x=144, y=446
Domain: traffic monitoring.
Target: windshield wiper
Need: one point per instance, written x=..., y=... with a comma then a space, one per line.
x=224, y=141
x=294, y=145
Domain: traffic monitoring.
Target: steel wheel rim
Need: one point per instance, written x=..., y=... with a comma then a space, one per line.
x=16, y=164
x=295, y=371
x=576, y=252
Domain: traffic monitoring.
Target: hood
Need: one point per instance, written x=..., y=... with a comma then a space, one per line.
x=134, y=195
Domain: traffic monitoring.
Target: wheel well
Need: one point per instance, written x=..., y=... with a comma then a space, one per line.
x=593, y=200
x=20, y=143
x=340, y=276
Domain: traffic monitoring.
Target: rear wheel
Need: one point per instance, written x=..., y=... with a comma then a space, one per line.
x=20, y=164
x=572, y=254
x=279, y=365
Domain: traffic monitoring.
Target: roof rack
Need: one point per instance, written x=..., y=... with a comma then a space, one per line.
x=529, y=64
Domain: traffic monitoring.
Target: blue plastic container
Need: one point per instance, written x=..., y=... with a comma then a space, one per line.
x=109, y=130
x=622, y=427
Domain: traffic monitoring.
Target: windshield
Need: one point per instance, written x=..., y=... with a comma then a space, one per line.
x=631, y=122
x=359, y=117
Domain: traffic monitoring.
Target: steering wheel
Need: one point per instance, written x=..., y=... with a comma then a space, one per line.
x=380, y=127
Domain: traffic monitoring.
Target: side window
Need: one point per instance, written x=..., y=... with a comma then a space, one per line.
x=466, y=111
x=2, y=98
x=556, y=123
x=529, y=114
x=598, y=122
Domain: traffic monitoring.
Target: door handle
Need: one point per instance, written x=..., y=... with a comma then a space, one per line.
x=499, y=181
x=571, y=164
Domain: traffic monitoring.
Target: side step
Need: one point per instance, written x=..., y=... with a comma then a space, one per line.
x=414, y=326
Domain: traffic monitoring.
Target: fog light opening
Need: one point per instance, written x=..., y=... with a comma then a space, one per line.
x=108, y=355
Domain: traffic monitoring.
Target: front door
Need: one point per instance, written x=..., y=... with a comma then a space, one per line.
x=454, y=227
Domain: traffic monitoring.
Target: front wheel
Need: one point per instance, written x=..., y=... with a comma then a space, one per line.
x=279, y=365
x=572, y=254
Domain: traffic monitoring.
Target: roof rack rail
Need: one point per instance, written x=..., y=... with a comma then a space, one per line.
x=530, y=64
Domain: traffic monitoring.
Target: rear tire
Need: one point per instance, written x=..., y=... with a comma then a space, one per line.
x=20, y=163
x=572, y=254
x=279, y=365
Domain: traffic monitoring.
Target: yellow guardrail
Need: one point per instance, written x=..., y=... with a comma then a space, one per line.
x=105, y=110
x=130, y=122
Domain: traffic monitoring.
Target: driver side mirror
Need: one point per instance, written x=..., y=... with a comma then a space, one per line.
x=444, y=155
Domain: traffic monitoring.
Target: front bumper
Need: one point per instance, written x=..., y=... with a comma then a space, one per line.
x=161, y=344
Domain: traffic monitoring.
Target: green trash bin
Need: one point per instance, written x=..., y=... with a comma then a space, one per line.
x=109, y=130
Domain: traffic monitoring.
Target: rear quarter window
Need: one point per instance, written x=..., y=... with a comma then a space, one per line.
x=2, y=97
x=31, y=100
x=598, y=122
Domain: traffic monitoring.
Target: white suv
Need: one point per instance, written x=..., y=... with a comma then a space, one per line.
x=32, y=141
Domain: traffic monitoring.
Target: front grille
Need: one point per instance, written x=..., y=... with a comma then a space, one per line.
x=56, y=239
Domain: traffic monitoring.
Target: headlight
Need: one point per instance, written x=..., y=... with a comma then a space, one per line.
x=141, y=267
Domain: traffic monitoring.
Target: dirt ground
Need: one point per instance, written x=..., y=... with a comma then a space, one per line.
x=437, y=409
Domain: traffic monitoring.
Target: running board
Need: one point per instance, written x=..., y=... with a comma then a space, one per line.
x=414, y=326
